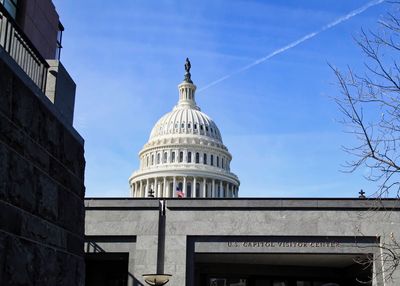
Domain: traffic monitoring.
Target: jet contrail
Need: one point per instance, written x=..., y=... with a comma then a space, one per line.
x=297, y=42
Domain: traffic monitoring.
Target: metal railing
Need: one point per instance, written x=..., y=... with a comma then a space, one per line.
x=14, y=41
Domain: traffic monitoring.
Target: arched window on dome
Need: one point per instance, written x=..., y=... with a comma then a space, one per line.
x=189, y=125
x=189, y=158
x=152, y=159
x=147, y=161
x=222, y=163
x=180, y=157
x=172, y=157
x=197, y=157
x=195, y=127
x=217, y=161
x=158, y=158
x=212, y=160
x=204, y=158
x=165, y=157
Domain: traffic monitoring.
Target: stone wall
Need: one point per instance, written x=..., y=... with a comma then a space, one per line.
x=41, y=187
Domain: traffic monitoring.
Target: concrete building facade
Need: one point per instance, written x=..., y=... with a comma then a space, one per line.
x=273, y=242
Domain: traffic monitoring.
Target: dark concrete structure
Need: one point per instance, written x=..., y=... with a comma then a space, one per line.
x=242, y=242
x=41, y=157
x=41, y=187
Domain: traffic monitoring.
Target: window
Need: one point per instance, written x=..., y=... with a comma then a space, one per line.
x=11, y=6
x=207, y=128
x=189, y=159
x=180, y=157
x=204, y=158
x=212, y=160
x=197, y=158
x=222, y=163
x=201, y=127
x=147, y=161
x=59, y=40
x=195, y=126
x=152, y=159
x=165, y=157
x=217, y=161
x=189, y=125
x=173, y=157
x=158, y=158
x=183, y=125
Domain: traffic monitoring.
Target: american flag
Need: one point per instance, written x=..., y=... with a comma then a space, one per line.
x=179, y=193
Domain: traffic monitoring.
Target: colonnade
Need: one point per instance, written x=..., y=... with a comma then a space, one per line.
x=191, y=187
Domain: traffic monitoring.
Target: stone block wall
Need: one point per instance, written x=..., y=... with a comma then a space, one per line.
x=41, y=188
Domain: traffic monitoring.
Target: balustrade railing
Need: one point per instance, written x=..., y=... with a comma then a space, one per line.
x=14, y=41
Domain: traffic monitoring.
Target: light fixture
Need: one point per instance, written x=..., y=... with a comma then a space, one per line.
x=156, y=279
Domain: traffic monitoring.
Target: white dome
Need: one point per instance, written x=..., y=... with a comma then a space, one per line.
x=185, y=121
x=185, y=152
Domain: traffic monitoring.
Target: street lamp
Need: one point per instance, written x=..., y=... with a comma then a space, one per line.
x=156, y=279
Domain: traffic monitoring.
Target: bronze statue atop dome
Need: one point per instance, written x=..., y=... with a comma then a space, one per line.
x=187, y=69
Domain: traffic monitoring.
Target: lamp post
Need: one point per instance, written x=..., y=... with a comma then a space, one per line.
x=159, y=279
x=156, y=279
x=151, y=193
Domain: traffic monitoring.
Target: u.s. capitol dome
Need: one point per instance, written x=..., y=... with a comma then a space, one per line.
x=185, y=149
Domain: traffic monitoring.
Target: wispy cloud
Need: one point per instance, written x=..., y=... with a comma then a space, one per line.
x=297, y=42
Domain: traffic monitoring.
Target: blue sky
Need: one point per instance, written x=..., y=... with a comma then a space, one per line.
x=278, y=119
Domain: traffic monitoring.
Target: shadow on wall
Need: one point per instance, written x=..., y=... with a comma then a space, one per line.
x=107, y=268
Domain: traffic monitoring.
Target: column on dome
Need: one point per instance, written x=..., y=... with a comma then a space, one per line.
x=220, y=193
x=184, y=186
x=164, y=191
x=146, y=194
x=204, y=188
x=213, y=189
x=154, y=187
x=194, y=188
x=159, y=188
x=141, y=188
x=174, y=188
x=136, y=189
x=168, y=189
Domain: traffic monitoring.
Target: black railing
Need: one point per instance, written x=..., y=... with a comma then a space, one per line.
x=14, y=41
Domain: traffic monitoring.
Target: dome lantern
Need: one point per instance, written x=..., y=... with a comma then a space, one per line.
x=187, y=90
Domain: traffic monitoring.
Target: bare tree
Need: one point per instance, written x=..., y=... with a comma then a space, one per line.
x=370, y=103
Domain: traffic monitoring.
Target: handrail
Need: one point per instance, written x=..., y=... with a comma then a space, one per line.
x=14, y=41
